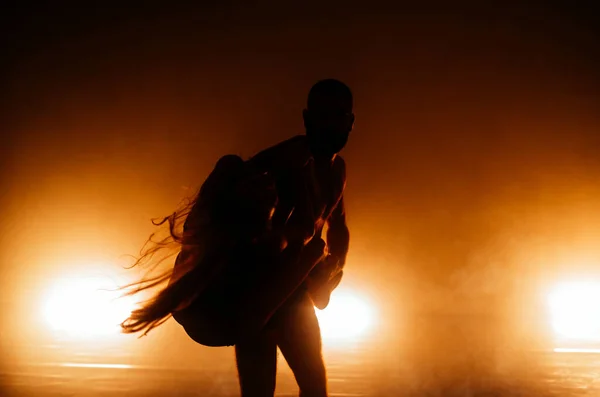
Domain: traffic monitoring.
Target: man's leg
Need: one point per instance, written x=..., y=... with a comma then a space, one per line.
x=299, y=339
x=257, y=365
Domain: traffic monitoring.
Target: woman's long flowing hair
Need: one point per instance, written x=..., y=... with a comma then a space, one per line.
x=157, y=251
x=198, y=231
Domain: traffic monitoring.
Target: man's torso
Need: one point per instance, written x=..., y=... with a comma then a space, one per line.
x=308, y=192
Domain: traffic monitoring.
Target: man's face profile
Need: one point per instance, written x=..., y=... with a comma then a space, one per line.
x=328, y=120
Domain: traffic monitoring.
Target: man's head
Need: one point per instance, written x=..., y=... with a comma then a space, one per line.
x=328, y=117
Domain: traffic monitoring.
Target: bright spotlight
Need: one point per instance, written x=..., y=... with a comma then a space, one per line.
x=85, y=307
x=347, y=317
x=575, y=310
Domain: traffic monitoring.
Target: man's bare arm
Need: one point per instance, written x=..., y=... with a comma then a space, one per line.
x=326, y=278
x=338, y=234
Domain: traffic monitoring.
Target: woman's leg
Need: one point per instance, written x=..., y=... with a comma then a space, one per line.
x=233, y=310
x=274, y=286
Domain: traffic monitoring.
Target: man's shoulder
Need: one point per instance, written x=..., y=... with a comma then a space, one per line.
x=339, y=162
x=294, y=153
x=289, y=154
x=339, y=166
x=296, y=144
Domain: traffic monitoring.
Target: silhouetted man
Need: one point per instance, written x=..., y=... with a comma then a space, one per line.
x=310, y=179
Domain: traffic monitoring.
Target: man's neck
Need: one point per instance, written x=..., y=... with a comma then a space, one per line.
x=324, y=161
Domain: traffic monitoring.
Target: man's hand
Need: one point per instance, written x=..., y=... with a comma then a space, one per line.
x=324, y=278
x=325, y=269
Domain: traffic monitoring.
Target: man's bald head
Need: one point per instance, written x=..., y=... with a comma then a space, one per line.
x=328, y=117
x=330, y=90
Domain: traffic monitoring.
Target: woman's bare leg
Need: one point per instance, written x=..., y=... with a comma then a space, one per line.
x=257, y=365
x=276, y=286
x=256, y=303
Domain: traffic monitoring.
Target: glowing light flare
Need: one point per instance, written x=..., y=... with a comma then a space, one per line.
x=575, y=350
x=575, y=310
x=347, y=317
x=99, y=365
x=84, y=307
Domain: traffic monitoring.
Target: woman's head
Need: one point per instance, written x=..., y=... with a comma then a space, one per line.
x=253, y=204
x=239, y=199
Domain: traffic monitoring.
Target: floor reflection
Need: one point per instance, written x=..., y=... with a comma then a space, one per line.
x=449, y=357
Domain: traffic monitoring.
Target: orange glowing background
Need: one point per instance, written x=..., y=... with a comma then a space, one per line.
x=473, y=170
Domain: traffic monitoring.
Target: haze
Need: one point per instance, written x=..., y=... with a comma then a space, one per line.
x=473, y=168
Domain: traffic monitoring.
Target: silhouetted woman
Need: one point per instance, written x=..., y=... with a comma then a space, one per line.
x=235, y=266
